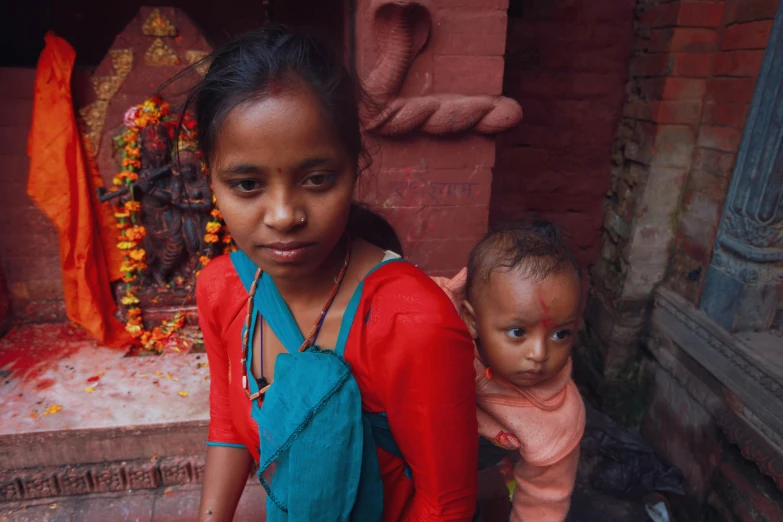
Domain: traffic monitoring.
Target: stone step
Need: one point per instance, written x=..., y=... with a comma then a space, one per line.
x=79, y=418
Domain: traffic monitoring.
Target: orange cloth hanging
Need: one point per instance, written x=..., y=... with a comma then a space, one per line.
x=61, y=185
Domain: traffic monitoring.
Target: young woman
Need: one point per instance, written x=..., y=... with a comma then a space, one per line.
x=342, y=370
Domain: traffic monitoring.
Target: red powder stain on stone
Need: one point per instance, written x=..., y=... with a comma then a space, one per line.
x=546, y=321
x=44, y=384
x=27, y=353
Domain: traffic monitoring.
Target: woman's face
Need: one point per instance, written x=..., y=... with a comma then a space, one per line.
x=283, y=182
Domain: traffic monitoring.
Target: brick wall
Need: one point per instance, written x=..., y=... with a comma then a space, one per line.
x=436, y=190
x=28, y=244
x=567, y=65
x=730, y=77
x=692, y=79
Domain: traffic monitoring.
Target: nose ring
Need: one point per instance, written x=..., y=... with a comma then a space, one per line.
x=303, y=220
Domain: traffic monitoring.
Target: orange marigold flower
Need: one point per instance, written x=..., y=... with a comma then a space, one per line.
x=227, y=239
x=213, y=227
x=122, y=224
x=128, y=279
x=138, y=254
x=211, y=238
x=133, y=176
x=135, y=233
x=216, y=213
x=132, y=206
x=204, y=260
x=134, y=312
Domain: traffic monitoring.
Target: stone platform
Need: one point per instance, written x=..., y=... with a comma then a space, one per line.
x=79, y=418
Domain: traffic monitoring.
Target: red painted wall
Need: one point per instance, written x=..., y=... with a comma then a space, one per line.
x=28, y=242
x=567, y=65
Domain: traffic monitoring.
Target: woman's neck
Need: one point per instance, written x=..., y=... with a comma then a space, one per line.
x=315, y=286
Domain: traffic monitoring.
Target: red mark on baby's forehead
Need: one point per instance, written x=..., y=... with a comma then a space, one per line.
x=279, y=170
x=546, y=321
x=274, y=88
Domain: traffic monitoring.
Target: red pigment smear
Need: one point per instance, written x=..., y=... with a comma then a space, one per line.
x=279, y=170
x=44, y=384
x=546, y=321
x=274, y=87
x=93, y=378
x=30, y=351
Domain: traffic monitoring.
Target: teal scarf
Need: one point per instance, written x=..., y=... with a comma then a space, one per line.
x=311, y=425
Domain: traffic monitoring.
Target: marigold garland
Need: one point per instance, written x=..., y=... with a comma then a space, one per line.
x=152, y=112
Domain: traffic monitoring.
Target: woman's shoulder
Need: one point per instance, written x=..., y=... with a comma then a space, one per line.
x=403, y=282
x=218, y=284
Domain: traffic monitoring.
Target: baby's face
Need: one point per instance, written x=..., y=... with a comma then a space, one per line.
x=525, y=327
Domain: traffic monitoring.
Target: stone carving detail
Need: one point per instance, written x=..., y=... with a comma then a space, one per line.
x=39, y=485
x=142, y=476
x=157, y=24
x=10, y=489
x=74, y=482
x=746, y=273
x=94, y=115
x=403, y=28
x=175, y=472
x=160, y=55
x=726, y=350
x=752, y=447
x=743, y=270
x=197, y=465
x=24, y=484
x=108, y=478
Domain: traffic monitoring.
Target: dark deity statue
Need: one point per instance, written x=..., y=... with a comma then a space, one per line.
x=175, y=200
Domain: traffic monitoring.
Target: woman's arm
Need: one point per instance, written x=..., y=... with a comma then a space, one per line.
x=228, y=461
x=428, y=391
x=225, y=476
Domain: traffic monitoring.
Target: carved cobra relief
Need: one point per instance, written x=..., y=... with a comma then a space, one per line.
x=402, y=29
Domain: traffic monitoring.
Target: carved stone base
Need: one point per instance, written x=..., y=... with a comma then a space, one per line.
x=28, y=484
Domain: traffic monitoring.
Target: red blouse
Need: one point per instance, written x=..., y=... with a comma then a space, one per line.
x=412, y=359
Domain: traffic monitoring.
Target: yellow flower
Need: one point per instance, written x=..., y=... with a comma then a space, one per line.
x=132, y=206
x=204, y=260
x=54, y=408
x=126, y=245
x=129, y=299
x=213, y=227
x=134, y=329
x=211, y=238
x=138, y=254
x=182, y=394
x=121, y=215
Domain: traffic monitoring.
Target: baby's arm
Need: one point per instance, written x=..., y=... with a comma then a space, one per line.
x=543, y=493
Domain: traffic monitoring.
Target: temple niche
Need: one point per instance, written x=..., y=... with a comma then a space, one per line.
x=158, y=188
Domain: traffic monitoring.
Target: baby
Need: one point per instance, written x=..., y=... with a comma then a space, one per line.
x=521, y=298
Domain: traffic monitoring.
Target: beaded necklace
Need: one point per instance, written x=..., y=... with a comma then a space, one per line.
x=263, y=384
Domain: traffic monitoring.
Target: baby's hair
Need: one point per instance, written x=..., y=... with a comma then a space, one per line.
x=265, y=62
x=536, y=249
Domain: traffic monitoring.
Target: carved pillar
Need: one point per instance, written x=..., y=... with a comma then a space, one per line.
x=745, y=277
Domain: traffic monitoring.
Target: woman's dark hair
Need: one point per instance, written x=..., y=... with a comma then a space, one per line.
x=254, y=66
x=536, y=248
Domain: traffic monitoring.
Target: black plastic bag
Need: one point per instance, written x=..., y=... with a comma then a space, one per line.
x=624, y=464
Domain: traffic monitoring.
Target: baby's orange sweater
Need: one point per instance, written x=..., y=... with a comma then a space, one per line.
x=544, y=423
